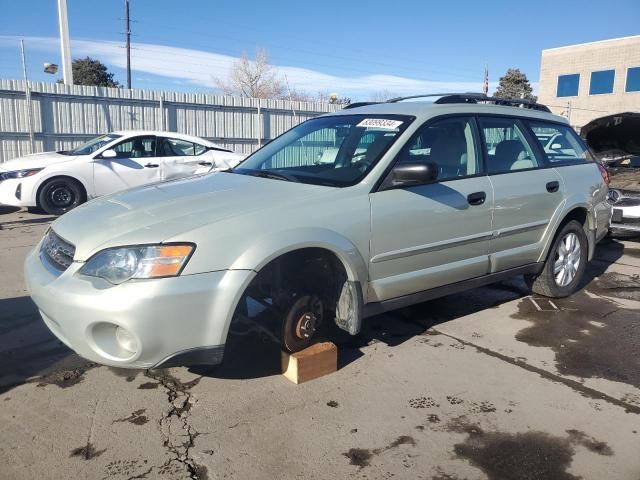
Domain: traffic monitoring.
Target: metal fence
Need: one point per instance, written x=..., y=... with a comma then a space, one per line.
x=59, y=117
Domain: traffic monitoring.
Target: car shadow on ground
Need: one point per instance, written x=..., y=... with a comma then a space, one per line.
x=254, y=354
x=6, y=209
x=28, y=350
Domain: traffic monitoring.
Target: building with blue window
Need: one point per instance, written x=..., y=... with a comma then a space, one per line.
x=591, y=80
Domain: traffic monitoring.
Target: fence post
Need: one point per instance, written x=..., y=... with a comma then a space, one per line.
x=260, y=129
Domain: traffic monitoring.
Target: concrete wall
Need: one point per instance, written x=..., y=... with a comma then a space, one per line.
x=618, y=54
x=60, y=117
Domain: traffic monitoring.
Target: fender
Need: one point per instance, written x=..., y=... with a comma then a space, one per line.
x=276, y=244
x=566, y=206
x=63, y=173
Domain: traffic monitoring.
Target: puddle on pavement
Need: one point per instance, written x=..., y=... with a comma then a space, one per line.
x=136, y=417
x=591, y=337
x=361, y=457
x=522, y=456
x=87, y=452
x=65, y=378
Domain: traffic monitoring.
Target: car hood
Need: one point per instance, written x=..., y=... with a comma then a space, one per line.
x=37, y=160
x=613, y=135
x=156, y=213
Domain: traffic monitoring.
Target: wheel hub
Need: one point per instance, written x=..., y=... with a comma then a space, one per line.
x=567, y=261
x=306, y=325
x=61, y=196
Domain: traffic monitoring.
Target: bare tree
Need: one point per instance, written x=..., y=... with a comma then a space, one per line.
x=382, y=95
x=255, y=78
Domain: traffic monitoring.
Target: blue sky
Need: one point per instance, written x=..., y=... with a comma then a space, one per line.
x=352, y=48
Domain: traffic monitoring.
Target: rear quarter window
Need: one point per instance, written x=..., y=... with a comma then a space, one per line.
x=560, y=143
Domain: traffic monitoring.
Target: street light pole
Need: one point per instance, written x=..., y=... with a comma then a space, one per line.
x=27, y=97
x=127, y=29
x=65, y=47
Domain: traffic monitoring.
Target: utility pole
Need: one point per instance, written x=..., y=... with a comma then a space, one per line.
x=65, y=47
x=127, y=29
x=27, y=96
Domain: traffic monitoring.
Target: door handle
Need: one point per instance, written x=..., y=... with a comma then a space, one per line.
x=553, y=187
x=205, y=164
x=476, y=198
x=152, y=165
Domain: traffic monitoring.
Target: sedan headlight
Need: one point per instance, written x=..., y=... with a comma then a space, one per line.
x=19, y=173
x=117, y=265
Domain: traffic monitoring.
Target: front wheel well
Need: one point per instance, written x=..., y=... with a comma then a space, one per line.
x=307, y=270
x=61, y=177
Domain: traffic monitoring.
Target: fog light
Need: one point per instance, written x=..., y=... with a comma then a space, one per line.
x=126, y=340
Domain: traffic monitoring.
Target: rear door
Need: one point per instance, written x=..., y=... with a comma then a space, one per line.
x=430, y=235
x=182, y=158
x=526, y=192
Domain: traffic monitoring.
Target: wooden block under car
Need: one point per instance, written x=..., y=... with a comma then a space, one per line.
x=312, y=362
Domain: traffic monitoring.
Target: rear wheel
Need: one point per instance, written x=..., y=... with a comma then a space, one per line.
x=565, y=264
x=59, y=195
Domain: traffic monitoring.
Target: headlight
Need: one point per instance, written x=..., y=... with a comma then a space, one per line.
x=20, y=173
x=117, y=265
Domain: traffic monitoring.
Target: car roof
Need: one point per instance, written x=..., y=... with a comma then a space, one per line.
x=179, y=136
x=424, y=110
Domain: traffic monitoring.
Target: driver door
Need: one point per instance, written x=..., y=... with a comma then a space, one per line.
x=135, y=164
x=426, y=236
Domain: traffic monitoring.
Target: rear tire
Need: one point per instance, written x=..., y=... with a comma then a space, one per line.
x=59, y=195
x=565, y=264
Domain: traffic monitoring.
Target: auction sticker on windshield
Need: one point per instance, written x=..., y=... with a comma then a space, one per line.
x=380, y=123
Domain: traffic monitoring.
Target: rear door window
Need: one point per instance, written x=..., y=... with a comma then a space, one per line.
x=560, y=143
x=507, y=149
x=173, y=147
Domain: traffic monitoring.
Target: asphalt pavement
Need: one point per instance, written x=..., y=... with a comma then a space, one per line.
x=493, y=383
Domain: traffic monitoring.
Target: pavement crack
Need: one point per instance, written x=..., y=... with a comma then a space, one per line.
x=177, y=433
x=574, y=385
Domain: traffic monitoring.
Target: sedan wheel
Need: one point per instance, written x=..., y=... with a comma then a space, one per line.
x=59, y=195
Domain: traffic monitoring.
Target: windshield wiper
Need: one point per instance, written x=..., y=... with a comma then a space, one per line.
x=270, y=174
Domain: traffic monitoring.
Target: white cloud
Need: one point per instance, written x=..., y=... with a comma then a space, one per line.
x=201, y=68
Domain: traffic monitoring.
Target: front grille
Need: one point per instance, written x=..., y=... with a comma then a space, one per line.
x=57, y=251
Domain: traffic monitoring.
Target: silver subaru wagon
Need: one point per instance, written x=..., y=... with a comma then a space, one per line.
x=347, y=215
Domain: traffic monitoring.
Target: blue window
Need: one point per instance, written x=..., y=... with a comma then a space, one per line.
x=602, y=82
x=633, y=80
x=568, y=85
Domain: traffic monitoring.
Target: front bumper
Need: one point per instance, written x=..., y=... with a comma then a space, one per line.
x=626, y=219
x=626, y=211
x=174, y=321
x=12, y=192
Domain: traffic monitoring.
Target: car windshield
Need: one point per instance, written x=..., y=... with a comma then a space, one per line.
x=335, y=151
x=92, y=145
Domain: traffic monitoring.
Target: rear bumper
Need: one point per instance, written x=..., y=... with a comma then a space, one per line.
x=173, y=321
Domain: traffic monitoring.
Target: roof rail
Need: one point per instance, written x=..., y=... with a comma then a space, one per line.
x=358, y=104
x=426, y=95
x=471, y=97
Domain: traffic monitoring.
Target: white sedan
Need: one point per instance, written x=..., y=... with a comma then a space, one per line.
x=56, y=182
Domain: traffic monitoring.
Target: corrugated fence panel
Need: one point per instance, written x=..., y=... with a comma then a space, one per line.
x=64, y=116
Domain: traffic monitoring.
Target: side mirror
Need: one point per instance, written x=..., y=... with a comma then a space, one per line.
x=410, y=174
x=556, y=146
x=108, y=154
